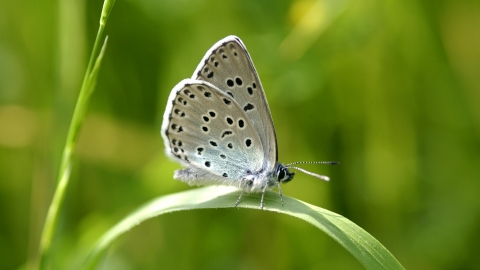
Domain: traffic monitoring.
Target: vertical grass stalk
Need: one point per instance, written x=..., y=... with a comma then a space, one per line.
x=81, y=106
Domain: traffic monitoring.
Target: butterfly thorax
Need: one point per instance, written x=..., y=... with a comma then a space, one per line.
x=267, y=179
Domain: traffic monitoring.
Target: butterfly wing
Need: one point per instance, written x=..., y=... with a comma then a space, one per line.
x=228, y=66
x=208, y=131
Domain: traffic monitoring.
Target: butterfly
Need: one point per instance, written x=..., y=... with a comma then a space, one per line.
x=219, y=127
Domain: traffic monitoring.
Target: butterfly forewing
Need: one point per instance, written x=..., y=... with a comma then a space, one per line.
x=228, y=66
x=207, y=129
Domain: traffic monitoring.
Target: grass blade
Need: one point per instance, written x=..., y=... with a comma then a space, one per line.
x=86, y=90
x=357, y=241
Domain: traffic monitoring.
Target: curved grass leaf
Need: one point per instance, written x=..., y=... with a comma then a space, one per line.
x=357, y=241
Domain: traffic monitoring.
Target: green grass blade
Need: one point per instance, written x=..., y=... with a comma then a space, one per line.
x=86, y=90
x=357, y=241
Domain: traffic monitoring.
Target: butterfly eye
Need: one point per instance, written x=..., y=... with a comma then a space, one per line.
x=283, y=175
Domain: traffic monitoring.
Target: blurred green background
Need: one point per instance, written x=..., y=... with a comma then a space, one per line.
x=391, y=89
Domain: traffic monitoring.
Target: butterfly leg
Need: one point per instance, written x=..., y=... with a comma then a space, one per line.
x=263, y=194
x=238, y=200
x=280, y=192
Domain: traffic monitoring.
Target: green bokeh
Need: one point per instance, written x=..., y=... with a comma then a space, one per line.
x=391, y=89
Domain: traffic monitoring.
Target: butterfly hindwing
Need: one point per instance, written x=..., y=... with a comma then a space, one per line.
x=228, y=66
x=206, y=129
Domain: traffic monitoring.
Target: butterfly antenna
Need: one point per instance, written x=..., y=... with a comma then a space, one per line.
x=313, y=162
x=323, y=177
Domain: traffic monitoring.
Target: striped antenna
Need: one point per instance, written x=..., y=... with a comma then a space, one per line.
x=323, y=177
x=314, y=162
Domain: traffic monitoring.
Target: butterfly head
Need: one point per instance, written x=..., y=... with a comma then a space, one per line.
x=282, y=174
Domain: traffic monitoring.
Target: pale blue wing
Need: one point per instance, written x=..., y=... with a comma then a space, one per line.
x=207, y=129
x=228, y=66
